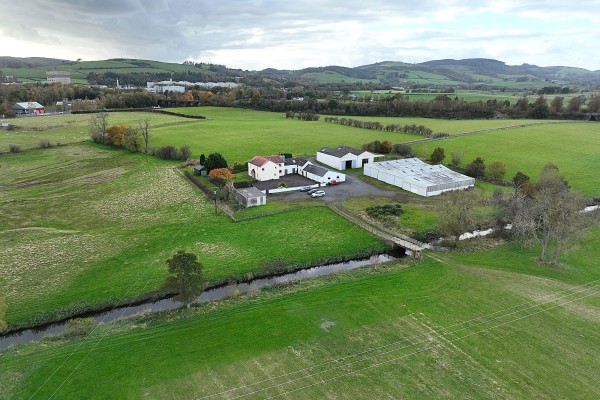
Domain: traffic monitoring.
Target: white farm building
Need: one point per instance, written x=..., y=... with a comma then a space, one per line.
x=344, y=157
x=418, y=177
x=320, y=174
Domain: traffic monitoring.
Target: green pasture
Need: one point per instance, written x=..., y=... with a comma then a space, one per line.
x=334, y=77
x=83, y=224
x=573, y=147
x=241, y=134
x=71, y=128
x=451, y=329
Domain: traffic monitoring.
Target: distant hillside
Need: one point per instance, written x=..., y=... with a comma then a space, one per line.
x=441, y=73
x=30, y=62
x=106, y=72
x=453, y=73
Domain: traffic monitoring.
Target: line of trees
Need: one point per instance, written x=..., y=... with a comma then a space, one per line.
x=270, y=97
x=378, y=126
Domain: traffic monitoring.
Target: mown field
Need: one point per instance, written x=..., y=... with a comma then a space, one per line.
x=485, y=322
x=83, y=224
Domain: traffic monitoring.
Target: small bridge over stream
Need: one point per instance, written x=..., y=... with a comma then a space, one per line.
x=393, y=238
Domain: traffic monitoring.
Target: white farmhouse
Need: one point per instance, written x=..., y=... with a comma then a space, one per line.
x=266, y=168
x=418, y=177
x=344, y=157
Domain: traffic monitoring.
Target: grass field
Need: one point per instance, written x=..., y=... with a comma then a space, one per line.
x=573, y=147
x=240, y=134
x=509, y=329
x=72, y=128
x=468, y=95
x=85, y=224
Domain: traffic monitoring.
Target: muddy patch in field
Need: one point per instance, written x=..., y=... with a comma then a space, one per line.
x=326, y=324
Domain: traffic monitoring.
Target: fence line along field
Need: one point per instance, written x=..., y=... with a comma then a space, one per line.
x=83, y=224
x=432, y=330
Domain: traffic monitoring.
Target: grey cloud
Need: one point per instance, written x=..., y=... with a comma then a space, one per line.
x=174, y=30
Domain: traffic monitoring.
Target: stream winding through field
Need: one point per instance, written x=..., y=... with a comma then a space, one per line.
x=221, y=292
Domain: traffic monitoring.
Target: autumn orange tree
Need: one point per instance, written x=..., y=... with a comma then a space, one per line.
x=222, y=174
x=187, y=96
x=115, y=134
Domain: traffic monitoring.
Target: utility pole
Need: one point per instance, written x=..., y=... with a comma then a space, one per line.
x=215, y=193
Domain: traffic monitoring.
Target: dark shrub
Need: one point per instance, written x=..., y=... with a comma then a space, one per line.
x=167, y=152
x=384, y=210
x=403, y=150
x=44, y=144
x=79, y=327
x=14, y=148
x=184, y=152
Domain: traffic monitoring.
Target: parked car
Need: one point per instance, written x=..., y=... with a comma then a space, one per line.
x=318, y=193
x=311, y=191
x=305, y=188
x=333, y=182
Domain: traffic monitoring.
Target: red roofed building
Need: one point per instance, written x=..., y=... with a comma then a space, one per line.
x=266, y=168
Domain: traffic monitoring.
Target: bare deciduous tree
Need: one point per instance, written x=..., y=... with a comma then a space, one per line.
x=98, y=127
x=456, y=212
x=548, y=215
x=144, y=128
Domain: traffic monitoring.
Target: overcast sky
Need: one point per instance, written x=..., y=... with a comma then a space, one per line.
x=257, y=34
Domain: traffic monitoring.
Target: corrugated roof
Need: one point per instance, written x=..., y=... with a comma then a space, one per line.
x=413, y=169
x=316, y=170
x=27, y=105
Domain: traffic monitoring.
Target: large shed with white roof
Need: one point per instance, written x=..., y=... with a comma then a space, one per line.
x=418, y=177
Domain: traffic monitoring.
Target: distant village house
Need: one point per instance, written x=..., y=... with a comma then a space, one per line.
x=63, y=77
x=31, y=107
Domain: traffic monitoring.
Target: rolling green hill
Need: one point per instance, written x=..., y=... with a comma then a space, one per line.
x=442, y=73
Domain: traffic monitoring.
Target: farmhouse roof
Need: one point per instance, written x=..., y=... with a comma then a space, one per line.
x=259, y=161
x=28, y=105
x=341, y=151
x=316, y=170
x=296, y=161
